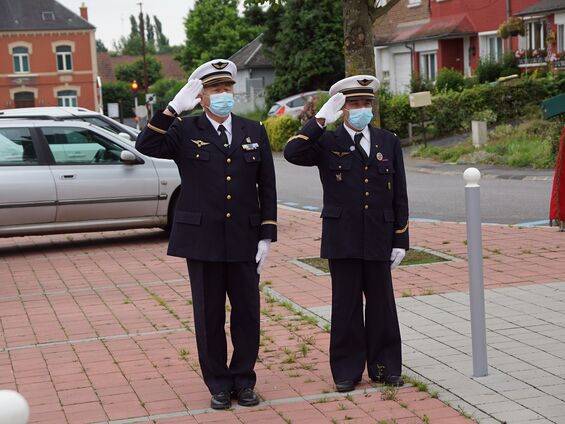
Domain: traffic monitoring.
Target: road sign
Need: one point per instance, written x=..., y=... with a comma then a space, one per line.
x=151, y=98
x=113, y=110
x=141, y=111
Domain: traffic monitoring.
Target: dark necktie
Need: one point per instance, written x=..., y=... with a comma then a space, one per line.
x=357, y=140
x=223, y=136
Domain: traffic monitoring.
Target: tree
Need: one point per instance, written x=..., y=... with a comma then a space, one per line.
x=308, y=53
x=100, y=47
x=214, y=30
x=134, y=71
x=162, y=42
x=358, y=19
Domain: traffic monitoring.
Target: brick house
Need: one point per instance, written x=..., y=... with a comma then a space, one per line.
x=423, y=36
x=47, y=56
x=107, y=65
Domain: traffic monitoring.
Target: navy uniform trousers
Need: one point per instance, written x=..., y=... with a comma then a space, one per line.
x=365, y=216
x=227, y=203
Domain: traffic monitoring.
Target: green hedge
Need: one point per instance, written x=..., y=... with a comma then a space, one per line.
x=280, y=129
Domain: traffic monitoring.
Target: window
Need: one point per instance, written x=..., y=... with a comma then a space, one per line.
x=428, y=65
x=24, y=99
x=560, y=38
x=21, y=59
x=492, y=47
x=536, y=33
x=67, y=98
x=64, y=58
x=81, y=146
x=412, y=3
x=16, y=147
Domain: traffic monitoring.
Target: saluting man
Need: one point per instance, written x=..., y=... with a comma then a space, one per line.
x=224, y=222
x=364, y=229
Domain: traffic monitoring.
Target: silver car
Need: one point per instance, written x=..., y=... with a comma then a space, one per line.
x=293, y=105
x=69, y=176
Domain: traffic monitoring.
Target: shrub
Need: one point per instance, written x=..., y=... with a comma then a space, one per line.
x=417, y=84
x=280, y=129
x=486, y=115
x=488, y=70
x=116, y=92
x=396, y=113
x=509, y=65
x=450, y=80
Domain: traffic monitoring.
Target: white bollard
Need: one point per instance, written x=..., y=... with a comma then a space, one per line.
x=13, y=408
x=476, y=283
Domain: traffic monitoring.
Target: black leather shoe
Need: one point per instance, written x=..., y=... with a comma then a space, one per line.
x=221, y=400
x=345, y=385
x=391, y=380
x=247, y=397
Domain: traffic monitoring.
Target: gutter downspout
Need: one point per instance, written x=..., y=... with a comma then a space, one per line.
x=411, y=58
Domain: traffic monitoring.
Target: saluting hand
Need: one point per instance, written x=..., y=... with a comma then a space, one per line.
x=331, y=111
x=396, y=257
x=188, y=96
x=262, y=253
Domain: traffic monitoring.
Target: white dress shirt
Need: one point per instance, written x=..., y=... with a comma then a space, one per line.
x=365, y=140
x=226, y=124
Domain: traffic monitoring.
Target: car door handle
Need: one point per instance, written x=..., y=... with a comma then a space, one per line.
x=68, y=176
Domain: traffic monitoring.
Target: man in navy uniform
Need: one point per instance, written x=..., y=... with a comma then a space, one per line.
x=224, y=222
x=364, y=229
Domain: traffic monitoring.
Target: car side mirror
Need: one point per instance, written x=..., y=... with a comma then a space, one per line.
x=128, y=157
x=125, y=135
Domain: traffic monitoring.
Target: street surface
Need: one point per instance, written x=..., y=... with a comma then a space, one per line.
x=436, y=191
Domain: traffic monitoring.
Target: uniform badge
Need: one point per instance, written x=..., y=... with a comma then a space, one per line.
x=340, y=154
x=338, y=177
x=220, y=65
x=199, y=143
x=364, y=82
x=379, y=156
x=250, y=146
x=352, y=148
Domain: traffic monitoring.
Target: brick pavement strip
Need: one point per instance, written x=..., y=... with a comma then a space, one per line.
x=97, y=327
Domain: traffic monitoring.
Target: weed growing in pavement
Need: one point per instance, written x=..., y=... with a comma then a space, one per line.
x=163, y=303
x=334, y=421
x=406, y=293
x=341, y=406
x=464, y=413
x=428, y=292
x=324, y=399
x=426, y=419
x=126, y=301
x=327, y=327
x=183, y=354
x=290, y=358
x=308, y=367
x=304, y=349
x=445, y=242
x=294, y=374
x=403, y=404
x=308, y=380
x=347, y=418
x=349, y=397
x=434, y=394
x=285, y=419
x=389, y=393
x=189, y=302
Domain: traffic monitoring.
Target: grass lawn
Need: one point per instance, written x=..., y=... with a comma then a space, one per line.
x=532, y=144
x=413, y=257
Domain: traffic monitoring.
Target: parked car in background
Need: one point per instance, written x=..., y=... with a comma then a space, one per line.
x=292, y=105
x=59, y=113
x=70, y=176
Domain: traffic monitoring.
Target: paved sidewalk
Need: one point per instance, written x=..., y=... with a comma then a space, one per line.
x=97, y=328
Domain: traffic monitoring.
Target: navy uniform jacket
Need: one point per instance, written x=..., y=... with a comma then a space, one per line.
x=365, y=211
x=228, y=199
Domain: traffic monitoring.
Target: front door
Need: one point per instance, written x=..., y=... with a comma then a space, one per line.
x=93, y=183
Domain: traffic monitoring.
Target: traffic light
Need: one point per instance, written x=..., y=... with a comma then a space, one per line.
x=134, y=86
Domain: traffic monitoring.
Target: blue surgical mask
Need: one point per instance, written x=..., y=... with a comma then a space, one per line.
x=221, y=104
x=360, y=118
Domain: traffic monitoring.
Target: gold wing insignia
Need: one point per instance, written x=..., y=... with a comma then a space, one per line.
x=199, y=143
x=220, y=65
x=364, y=82
x=340, y=154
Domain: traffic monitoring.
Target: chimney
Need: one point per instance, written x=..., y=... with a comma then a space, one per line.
x=84, y=11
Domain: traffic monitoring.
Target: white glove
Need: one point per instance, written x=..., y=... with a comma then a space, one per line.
x=331, y=111
x=396, y=257
x=262, y=253
x=187, y=98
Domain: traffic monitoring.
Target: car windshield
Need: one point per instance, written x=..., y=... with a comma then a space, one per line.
x=274, y=109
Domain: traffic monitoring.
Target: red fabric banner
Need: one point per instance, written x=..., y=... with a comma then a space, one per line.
x=557, y=205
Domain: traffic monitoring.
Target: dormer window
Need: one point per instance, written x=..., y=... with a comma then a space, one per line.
x=48, y=16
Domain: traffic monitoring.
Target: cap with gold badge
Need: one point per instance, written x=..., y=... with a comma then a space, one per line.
x=357, y=87
x=215, y=72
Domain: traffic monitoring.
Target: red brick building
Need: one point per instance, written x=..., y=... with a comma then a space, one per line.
x=424, y=36
x=47, y=56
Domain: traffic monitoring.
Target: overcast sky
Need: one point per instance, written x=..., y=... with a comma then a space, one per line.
x=111, y=17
